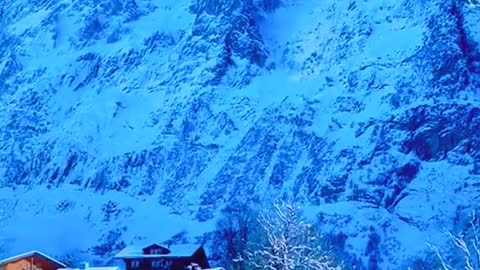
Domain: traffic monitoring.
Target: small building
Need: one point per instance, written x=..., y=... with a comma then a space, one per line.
x=157, y=257
x=33, y=260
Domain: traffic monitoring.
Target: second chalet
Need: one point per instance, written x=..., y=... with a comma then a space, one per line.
x=33, y=260
x=157, y=257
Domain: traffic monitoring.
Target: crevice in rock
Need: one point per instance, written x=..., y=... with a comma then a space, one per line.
x=465, y=43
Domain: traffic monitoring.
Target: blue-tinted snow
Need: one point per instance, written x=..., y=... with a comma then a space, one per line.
x=117, y=117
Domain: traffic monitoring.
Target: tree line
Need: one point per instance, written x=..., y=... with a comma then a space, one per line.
x=280, y=238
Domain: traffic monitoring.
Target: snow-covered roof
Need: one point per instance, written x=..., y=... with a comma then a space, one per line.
x=184, y=250
x=30, y=253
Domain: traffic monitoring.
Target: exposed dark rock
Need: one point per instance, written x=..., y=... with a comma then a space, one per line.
x=434, y=131
x=232, y=27
x=455, y=52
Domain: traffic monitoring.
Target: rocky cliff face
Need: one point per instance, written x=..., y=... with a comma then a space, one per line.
x=119, y=115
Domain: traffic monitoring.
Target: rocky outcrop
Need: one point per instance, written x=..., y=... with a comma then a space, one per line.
x=112, y=111
x=226, y=30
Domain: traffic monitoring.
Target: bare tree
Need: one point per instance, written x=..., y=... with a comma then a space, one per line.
x=233, y=234
x=288, y=242
x=469, y=247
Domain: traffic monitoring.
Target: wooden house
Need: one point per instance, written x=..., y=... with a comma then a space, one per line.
x=157, y=257
x=33, y=260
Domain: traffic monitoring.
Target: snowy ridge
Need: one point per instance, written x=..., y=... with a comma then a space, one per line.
x=119, y=115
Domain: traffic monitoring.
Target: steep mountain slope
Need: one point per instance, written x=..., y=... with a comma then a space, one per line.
x=120, y=115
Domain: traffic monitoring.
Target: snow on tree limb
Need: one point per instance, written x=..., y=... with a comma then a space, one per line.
x=469, y=248
x=289, y=242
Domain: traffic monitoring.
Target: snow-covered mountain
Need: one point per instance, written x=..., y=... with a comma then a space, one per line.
x=130, y=119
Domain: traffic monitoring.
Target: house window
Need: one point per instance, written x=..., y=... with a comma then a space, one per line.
x=156, y=264
x=135, y=264
x=161, y=264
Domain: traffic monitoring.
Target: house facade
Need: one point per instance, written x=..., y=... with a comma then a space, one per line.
x=33, y=260
x=157, y=257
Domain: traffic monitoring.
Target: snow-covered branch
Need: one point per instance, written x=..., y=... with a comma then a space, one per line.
x=289, y=242
x=467, y=246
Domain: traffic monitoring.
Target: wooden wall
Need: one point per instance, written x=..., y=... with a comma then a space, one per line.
x=30, y=263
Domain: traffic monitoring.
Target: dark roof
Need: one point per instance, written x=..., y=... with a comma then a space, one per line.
x=156, y=246
x=184, y=250
x=29, y=254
